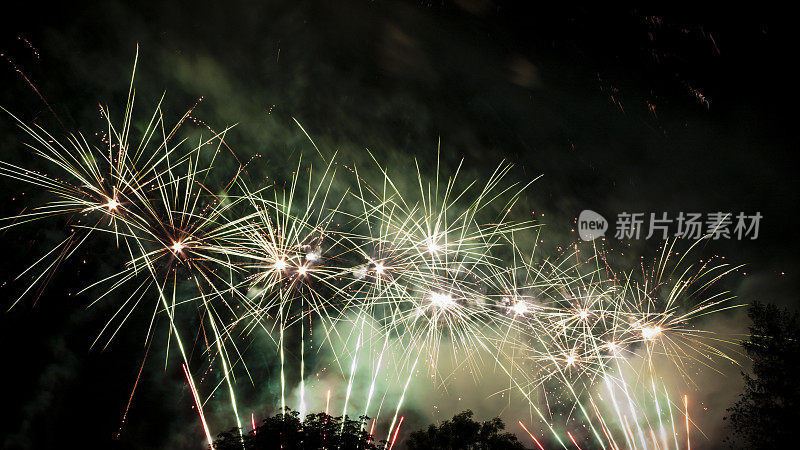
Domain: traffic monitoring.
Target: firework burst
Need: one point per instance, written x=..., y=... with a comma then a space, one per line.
x=400, y=278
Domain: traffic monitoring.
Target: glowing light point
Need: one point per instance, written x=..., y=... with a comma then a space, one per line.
x=571, y=359
x=433, y=247
x=442, y=301
x=520, y=308
x=312, y=256
x=112, y=204
x=583, y=314
x=280, y=265
x=302, y=270
x=379, y=268
x=650, y=332
x=177, y=247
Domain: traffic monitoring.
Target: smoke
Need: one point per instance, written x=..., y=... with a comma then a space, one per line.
x=60, y=372
x=650, y=397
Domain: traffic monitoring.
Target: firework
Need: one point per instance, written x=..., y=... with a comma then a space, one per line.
x=383, y=275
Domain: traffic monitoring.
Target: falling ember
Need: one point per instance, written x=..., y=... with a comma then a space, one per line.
x=327, y=402
x=198, y=405
x=573, y=440
x=686, y=408
x=531, y=435
x=396, y=432
x=253, y=422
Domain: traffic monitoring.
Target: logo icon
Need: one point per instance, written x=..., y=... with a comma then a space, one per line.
x=591, y=225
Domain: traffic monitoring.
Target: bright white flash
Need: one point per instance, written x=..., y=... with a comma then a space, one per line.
x=280, y=264
x=650, y=332
x=177, y=247
x=379, y=268
x=302, y=270
x=112, y=204
x=520, y=308
x=312, y=256
x=442, y=301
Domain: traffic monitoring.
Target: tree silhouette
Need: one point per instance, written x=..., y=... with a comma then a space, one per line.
x=464, y=433
x=287, y=431
x=767, y=412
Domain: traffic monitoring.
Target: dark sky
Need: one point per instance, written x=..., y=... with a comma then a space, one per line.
x=618, y=109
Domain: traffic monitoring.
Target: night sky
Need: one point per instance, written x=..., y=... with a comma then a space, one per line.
x=619, y=110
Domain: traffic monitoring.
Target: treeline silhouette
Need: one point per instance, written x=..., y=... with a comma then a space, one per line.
x=767, y=414
x=322, y=431
x=287, y=431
